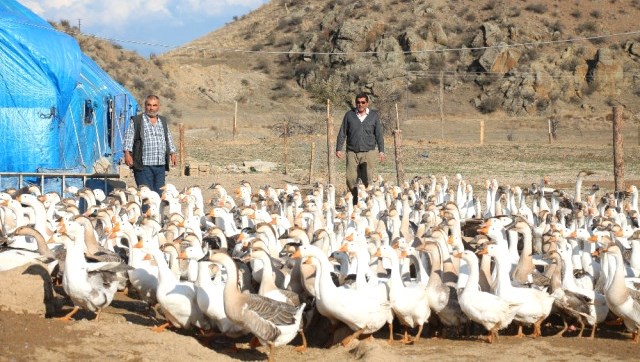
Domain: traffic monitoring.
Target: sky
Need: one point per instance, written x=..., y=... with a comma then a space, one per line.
x=146, y=26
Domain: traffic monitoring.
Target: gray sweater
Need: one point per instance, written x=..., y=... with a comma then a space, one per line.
x=361, y=136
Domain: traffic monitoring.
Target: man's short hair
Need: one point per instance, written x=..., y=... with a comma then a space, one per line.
x=362, y=95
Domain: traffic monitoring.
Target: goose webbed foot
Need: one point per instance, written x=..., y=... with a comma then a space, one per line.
x=67, y=317
x=161, y=327
x=303, y=347
x=345, y=342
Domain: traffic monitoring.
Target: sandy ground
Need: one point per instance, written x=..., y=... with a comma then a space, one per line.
x=29, y=330
x=123, y=333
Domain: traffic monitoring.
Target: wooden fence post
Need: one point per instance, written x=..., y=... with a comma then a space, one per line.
x=618, y=149
x=235, y=121
x=482, y=132
x=286, y=147
x=441, y=103
x=397, y=138
x=182, y=149
x=331, y=160
x=312, y=161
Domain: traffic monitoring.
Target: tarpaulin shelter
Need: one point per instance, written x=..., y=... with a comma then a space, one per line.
x=59, y=111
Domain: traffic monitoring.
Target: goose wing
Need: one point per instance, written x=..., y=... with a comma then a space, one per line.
x=278, y=313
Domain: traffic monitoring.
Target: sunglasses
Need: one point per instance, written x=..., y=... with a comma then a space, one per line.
x=362, y=102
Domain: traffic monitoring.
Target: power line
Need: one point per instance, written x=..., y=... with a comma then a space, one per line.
x=371, y=52
x=406, y=52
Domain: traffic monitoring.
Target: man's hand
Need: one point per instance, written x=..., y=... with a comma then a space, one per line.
x=173, y=160
x=128, y=159
x=340, y=154
x=381, y=156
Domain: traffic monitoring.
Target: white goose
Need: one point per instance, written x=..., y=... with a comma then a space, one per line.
x=409, y=304
x=534, y=305
x=90, y=286
x=362, y=310
x=493, y=312
x=177, y=299
x=618, y=298
x=210, y=299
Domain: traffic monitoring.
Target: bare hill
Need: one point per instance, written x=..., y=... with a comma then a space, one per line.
x=497, y=59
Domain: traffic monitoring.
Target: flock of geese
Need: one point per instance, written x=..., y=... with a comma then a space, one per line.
x=269, y=262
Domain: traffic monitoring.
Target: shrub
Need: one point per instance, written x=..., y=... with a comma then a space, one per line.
x=536, y=8
x=596, y=14
x=489, y=104
x=419, y=85
x=169, y=94
x=488, y=6
x=587, y=27
x=576, y=14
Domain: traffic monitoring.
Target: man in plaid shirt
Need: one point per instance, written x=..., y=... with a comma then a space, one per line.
x=148, y=146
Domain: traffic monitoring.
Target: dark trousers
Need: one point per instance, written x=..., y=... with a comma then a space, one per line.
x=151, y=176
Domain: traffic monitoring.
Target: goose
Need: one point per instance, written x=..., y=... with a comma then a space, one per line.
x=272, y=322
x=268, y=286
x=364, y=311
x=409, y=304
x=177, y=298
x=567, y=302
x=617, y=295
x=534, y=305
x=15, y=256
x=143, y=275
x=90, y=286
x=489, y=310
x=210, y=299
x=443, y=299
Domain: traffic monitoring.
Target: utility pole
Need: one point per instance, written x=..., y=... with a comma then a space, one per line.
x=79, y=23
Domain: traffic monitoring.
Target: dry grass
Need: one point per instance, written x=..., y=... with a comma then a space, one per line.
x=515, y=163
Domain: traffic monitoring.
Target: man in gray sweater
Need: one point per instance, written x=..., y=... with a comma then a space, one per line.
x=362, y=129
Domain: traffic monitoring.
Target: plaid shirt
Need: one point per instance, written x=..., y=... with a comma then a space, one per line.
x=153, y=145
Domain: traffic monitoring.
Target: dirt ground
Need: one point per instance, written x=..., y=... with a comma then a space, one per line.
x=123, y=333
x=29, y=331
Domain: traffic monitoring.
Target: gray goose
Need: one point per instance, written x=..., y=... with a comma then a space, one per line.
x=273, y=323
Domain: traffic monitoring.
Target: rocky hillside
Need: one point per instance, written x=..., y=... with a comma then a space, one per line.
x=493, y=58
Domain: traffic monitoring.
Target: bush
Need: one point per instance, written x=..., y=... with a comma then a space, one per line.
x=489, y=104
x=576, y=14
x=596, y=14
x=587, y=27
x=536, y=8
x=419, y=85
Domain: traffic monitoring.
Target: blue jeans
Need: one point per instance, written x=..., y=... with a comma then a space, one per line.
x=152, y=176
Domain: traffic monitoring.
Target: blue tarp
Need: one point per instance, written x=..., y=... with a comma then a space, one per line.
x=58, y=109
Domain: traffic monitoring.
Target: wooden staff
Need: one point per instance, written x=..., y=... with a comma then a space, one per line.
x=482, y=132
